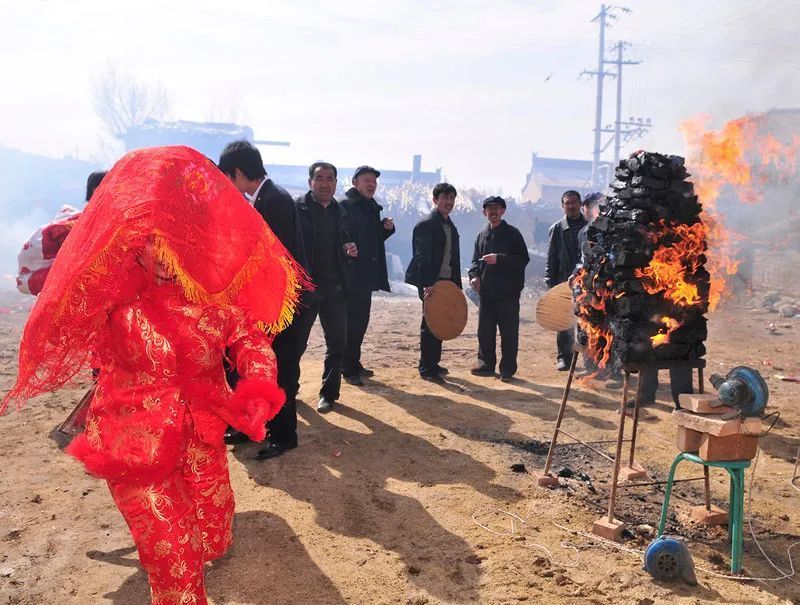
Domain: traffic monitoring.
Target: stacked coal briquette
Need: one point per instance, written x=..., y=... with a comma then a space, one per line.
x=651, y=195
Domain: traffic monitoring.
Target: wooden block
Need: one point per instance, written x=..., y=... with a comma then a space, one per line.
x=715, y=425
x=688, y=440
x=701, y=403
x=729, y=447
x=543, y=480
x=635, y=472
x=610, y=530
x=714, y=516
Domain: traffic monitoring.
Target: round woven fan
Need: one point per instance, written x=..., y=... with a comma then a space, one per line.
x=555, y=310
x=445, y=310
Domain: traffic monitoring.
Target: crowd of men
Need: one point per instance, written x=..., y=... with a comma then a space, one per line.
x=341, y=246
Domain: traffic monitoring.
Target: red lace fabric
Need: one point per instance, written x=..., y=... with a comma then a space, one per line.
x=160, y=359
x=176, y=202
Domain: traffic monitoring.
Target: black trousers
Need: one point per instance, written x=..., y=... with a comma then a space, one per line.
x=430, y=351
x=680, y=380
x=359, y=304
x=564, y=342
x=502, y=314
x=283, y=428
x=331, y=306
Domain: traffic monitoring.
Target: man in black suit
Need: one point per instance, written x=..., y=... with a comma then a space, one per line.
x=368, y=270
x=329, y=249
x=435, y=256
x=242, y=163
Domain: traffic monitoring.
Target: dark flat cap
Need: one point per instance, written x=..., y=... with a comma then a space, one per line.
x=364, y=169
x=495, y=199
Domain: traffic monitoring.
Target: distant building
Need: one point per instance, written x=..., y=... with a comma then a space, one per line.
x=210, y=138
x=550, y=177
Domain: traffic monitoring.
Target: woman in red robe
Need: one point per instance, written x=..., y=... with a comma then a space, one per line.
x=167, y=271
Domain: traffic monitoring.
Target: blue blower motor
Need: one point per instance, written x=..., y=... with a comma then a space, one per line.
x=744, y=390
x=668, y=559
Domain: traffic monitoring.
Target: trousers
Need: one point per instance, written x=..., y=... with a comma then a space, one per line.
x=502, y=315
x=181, y=522
x=359, y=305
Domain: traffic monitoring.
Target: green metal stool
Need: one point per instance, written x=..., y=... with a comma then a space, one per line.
x=735, y=469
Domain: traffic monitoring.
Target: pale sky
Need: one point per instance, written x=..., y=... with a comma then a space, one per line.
x=462, y=82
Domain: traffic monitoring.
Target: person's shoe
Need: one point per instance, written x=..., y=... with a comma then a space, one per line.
x=442, y=371
x=562, y=365
x=273, y=450
x=355, y=380
x=482, y=370
x=506, y=377
x=324, y=405
x=365, y=372
x=234, y=437
x=432, y=377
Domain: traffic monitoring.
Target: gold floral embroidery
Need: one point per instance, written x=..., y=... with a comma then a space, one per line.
x=149, y=402
x=163, y=548
x=204, y=325
x=154, y=343
x=145, y=437
x=155, y=500
x=196, y=456
x=177, y=569
x=145, y=379
x=93, y=431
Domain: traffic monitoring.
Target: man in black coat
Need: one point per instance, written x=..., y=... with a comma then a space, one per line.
x=329, y=250
x=242, y=163
x=497, y=274
x=563, y=254
x=435, y=256
x=368, y=271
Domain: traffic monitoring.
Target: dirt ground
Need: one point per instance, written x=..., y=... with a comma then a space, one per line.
x=405, y=493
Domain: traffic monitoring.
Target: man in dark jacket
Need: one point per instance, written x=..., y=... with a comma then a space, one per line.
x=435, y=256
x=329, y=248
x=497, y=274
x=242, y=164
x=563, y=254
x=368, y=271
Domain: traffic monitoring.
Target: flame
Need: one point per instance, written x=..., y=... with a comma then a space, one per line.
x=742, y=157
x=670, y=325
x=679, y=254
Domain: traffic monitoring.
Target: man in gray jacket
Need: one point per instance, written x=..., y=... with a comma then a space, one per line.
x=563, y=254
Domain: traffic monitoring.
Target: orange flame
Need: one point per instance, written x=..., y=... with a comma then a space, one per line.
x=670, y=264
x=740, y=156
x=670, y=325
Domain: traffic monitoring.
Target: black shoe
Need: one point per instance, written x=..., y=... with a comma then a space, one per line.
x=273, y=450
x=506, y=377
x=482, y=371
x=355, y=380
x=324, y=405
x=562, y=366
x=234, y=437
x=442, y=371
x=432, y=377
x=365, y=372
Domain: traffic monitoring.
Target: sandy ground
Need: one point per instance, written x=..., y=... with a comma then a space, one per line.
x=379, y=503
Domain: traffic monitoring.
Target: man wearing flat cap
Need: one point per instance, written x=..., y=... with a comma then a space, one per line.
x=497, y=274
x=368, y=271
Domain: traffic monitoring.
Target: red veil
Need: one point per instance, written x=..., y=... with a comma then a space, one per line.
x=175, y=200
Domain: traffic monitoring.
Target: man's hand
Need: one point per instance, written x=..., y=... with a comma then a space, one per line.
x=388, y=224
x=426, y=292
x=350, y=249
x=475, y=283
x=489, y=259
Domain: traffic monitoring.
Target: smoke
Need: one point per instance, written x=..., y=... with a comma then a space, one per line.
x=15, y=233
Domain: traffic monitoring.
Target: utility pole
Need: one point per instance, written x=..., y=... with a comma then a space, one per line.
x=633, y=127
x=601, y=17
